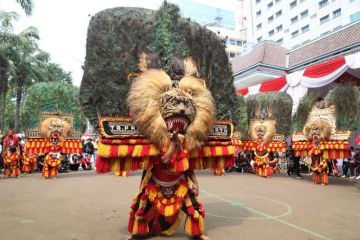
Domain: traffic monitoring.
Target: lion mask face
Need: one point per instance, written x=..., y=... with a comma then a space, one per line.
x=262, y=129
x=159, y=107
x=317, y=130
x=177, y=109
x=55, y=129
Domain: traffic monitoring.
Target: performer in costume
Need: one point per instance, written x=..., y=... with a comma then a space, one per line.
x=261, y=155
x=29, y=161
x=274, y=166
x=321, y=141
x=268, y=112
x=177, y=123
x=10, y=140
x=54, y=135
x=170, y=133
x=51, y=165
x=11, y=163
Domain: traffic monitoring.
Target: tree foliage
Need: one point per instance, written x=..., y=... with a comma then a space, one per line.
x=166, y=39
x=306, y=104
x=117, y=36
x=49, y=97
x=27, y=6
x=22, y=64
x=346, y=98
x=242, y=124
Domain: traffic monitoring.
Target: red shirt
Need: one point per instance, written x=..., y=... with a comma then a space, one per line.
x=11, y=141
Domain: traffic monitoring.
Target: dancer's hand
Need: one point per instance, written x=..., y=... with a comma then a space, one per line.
x=195, y=189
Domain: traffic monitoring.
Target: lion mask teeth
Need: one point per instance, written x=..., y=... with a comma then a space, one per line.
x=177, y=123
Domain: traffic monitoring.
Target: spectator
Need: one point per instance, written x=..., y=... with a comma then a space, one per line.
x=349, y=164
x=88, y=147
x=295, y=168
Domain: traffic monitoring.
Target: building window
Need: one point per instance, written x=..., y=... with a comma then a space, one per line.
x=337, y=13
x=294, y=20
x=305, y=29
x=258, y=26
x=293, y=4
x=324, y=19
x=259, y=39
x=258, y=1
x=270, y=19
x=295, y=34
x=271, y=33
x=304, y=14
x=239, y=43
x=279, y=28
x=280, y=41
x=232, y=41
x=232, y=54
x=354, y=17
x=258, y=13
x=278, y=14
x=323, y=3
x=270, y=4
x=324, y=33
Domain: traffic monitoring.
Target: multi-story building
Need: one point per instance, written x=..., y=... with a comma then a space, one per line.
x=234, y=39
x=292, y=23
x=223, y=22
x=206, y=15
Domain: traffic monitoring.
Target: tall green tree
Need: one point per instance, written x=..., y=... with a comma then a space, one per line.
x=30, y=67
x=49, y=97
x=7, y=40
x=57, y=74
x=26, y=5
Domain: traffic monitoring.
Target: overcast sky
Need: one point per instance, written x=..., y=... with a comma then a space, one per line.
x=63, y=25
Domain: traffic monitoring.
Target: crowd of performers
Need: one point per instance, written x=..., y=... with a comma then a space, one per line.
x=295, y=165
x=14, y=160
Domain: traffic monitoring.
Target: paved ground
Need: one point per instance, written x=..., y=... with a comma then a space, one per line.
x=85, y=206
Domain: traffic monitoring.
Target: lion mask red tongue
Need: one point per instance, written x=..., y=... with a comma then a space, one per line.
x=178, y=127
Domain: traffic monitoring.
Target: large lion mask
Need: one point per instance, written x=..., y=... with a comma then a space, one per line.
x=317, y=130
x=160, y=104
x=55, y=129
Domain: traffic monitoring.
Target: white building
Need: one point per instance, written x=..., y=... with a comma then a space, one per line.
x=292, y=23
x=226, y=19
x=234, y=39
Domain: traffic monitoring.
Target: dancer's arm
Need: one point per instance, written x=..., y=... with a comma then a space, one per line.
x=195, y=186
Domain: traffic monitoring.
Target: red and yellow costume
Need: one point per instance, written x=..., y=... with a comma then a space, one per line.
x=264, y=166
x=28, y=163
x=11, y=165
x=273, y=166
x=51, y=165
x=319, y=164
x=321, y=141
x=261, y=161
x=163, y=197
x=152, y=212
x=54, y=134
x=171, y=132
